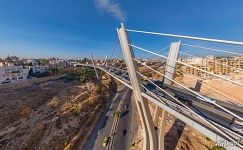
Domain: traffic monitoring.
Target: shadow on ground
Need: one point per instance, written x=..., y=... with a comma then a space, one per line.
x=174, y=134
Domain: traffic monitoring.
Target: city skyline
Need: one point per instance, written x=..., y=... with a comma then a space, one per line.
x=74, y=30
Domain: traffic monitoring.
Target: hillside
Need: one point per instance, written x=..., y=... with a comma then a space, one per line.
x=50, y=114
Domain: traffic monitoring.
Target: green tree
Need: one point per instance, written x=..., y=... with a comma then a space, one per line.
x=86, y=74
x=44, y=62
x=30, y=64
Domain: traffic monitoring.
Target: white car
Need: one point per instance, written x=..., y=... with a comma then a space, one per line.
x=237, y=121
x=237, y=128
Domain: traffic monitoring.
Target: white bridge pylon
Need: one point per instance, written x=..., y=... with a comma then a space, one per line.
x=156, y=142
x=151, y=140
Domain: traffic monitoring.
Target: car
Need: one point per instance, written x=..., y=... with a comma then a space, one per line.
x=124, y=131
x=160, y=94
x=116, y=114
x=188, y=102
x=237, y=128
x=7, y=81
x=237, y=121
x=185, y=99
x=106, y=140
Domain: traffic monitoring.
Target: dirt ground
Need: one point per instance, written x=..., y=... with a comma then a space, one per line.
x=217, y=88
x=178, y=136
x=50, y=114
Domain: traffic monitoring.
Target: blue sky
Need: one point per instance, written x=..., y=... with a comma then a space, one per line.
x=74, y=29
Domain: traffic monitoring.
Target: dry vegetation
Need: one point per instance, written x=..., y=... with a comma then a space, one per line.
x=52, y=114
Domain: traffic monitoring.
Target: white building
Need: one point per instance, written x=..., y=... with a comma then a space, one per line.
x=58, y=63
x=195, y=61
x=9, y=72
x=39, y=69
x=32, y=61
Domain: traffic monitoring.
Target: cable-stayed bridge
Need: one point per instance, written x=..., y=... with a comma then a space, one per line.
x=218, y=120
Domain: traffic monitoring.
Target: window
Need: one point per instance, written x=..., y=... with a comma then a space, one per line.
x=20, y=77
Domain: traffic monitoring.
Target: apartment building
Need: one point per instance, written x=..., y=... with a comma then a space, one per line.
x=217, y=65
x=9, y=72
x=197, y=62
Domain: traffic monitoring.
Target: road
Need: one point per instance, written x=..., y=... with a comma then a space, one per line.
x=205, y=109
x=105, y=124
x=210, y=111
x=122, y=142
x=232, y=107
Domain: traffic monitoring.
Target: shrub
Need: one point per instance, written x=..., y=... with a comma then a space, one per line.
x=76, y=110
x=70, y=77
x=25, y=111
x=54, y=101
x=218, y=148
x=208, y=139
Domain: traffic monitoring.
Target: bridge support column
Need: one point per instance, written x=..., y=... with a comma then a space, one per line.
x=150, y=139
x=94, y=64
x=169, y=72
x=170, y=67
x=162, y=130
x=157, y=112
x=106, y=59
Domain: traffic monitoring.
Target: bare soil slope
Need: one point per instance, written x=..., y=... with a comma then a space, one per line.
x=50, y=114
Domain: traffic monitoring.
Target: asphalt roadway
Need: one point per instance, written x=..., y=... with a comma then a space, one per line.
x=106, y=123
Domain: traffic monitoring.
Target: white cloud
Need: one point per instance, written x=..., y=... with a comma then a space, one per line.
x=111, y=7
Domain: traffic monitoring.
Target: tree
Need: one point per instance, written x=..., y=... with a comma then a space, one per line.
x=82, y=78
x=44, y=62
x=86, y=74
x=30, y=64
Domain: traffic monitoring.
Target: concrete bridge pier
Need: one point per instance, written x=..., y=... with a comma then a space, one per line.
x=169, y=72
x=150, y=138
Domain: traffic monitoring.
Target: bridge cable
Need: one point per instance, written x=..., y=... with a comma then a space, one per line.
x=152, y=93
x=220, y=93
x=187, y=37
x=212, y=49
x=165, y=48
x=213, y=60
x=186, y=65
x=114, y=48
x=199, y=95
x=199, y=115
x=128, y=85
x=190, y=110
